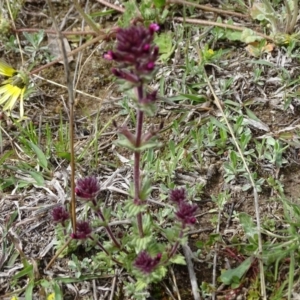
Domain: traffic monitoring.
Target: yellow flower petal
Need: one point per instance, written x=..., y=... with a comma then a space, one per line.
x=15, y=92
x=51, y=296
x=6, y=69
x=22, y=103
x=5, y=92
x=12, y=88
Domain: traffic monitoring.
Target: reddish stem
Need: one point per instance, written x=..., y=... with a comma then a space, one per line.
x=108, y=229
x=137, y=158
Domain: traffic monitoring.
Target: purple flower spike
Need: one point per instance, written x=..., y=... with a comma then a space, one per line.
x=60, y=215
x=145, y=263
x=178, y=196
x=135, y=52
x=186, y=213
x=83, y=230
x=87, y=188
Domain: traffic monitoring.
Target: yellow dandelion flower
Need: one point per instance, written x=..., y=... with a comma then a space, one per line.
x=14, y=298
x=210, y=51
x=51, y=296
x=12, y=88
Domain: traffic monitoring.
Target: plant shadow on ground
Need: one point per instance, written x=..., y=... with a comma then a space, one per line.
x=33, y=231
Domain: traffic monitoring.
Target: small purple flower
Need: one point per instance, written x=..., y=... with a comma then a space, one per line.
x=60, y=215
x=109, y=55
x=150, y=66
x=128, y=76
x=178, y=196
x=87, y=188
x=145, y=263
x=146, y=48
x=153, y=27
x=83, y=230
x=186, y=213
x=149, y=98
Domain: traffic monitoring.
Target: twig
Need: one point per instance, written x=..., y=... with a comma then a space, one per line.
x=189, y=264
x=64, y=87
x=95, y=290
x=168, y=291
x=113, y=6
x=88, y=43
x=58, y=253
x=71, y=117
x=209, y=8
x=175, y=283
x=113, y=286
x=214, y=275
x=210, y=23
x=51, y=31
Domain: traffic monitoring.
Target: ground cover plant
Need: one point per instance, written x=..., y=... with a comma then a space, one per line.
x=149, y=150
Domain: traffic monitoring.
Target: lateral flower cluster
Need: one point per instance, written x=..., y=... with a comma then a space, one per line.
x=185, y=211
x=145, y=263
x=83, y=230
x=87, y=187
x=60, y=215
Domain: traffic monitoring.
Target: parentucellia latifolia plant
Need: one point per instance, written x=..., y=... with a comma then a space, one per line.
x=149, y=244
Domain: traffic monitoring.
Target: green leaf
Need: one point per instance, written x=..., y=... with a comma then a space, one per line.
x=165, y=43
x=252, y=115
x=196, y=98
x=145, y=189
x=29, y=291
x=40, y=155
x=248, y=225
x=248, y=36
x=258, y=11
x=218, y=123
x=234, y=275
x=159, y=3
x=38, y=178
x=130, y=12
x=5, y=156
x=11, y=219
x=142, y=243
x=233, y=35
x=26, y=271
x=178, y=259
x=133, y=209
x=141, y=285
x=64, y=155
